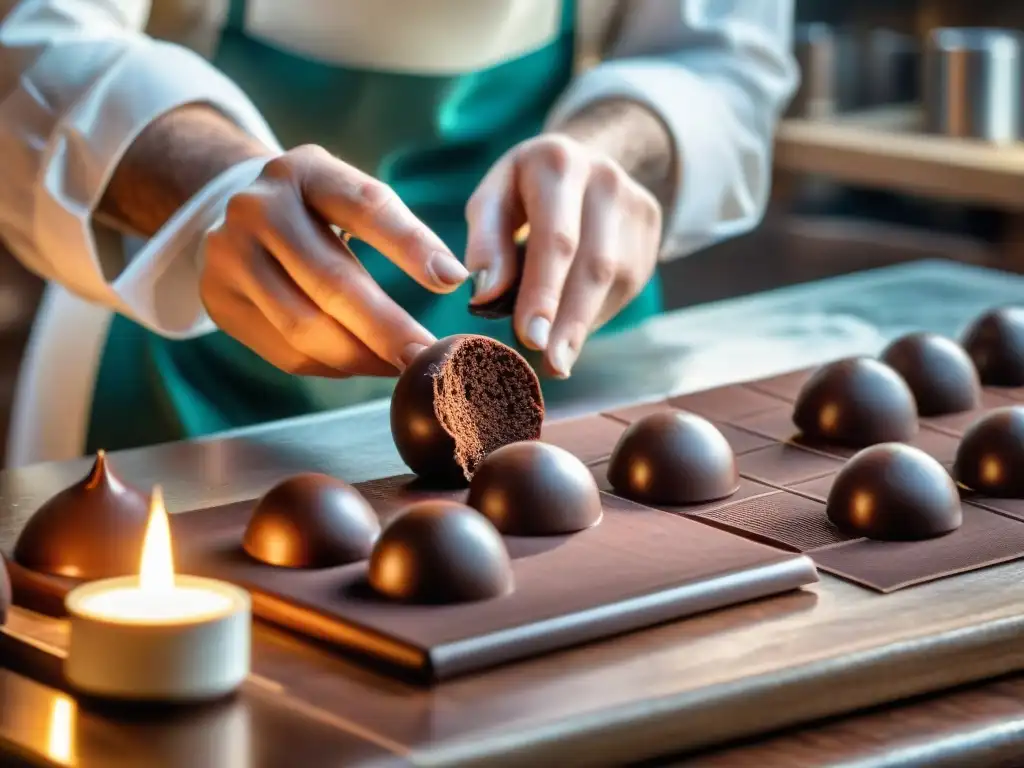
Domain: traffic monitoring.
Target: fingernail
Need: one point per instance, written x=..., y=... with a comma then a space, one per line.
x=446, y=270
x=409, y=354
x=483, y=281
x=563, y=357
x=537, y=332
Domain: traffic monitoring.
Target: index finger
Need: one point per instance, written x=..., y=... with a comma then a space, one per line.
x=371, y=211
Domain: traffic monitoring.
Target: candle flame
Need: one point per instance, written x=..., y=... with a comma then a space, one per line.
x=156, y=571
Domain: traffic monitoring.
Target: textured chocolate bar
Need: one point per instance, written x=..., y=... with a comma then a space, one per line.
x=984, y=539
x=780, y=518
x=785, y=386
x=957, y=423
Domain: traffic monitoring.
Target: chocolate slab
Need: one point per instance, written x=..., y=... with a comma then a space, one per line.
x=984, y=539
x=1013, y=508
x=590, y=438
x=784, y=465
x=780, y=518
x=785, y=386
x=957, y=423
x=725, y=403
x=637, y=568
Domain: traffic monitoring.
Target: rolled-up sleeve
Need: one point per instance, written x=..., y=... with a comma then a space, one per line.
x=719, y=74
x=79, y=80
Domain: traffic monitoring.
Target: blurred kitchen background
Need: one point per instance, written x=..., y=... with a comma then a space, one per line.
x=903, y=143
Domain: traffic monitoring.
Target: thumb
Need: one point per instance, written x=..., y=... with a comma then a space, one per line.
x=493, y=215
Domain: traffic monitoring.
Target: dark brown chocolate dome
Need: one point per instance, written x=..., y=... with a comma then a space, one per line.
x=535, y=489
x=990, y=458
x=440, y=552
x=995, y=342
x=311, y=521
x=673, y=457
x=459, y=400
x=856, y=402
x=894, y=492
x=938, y=371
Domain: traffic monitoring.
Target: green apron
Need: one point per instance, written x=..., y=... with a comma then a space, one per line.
x=432, y=138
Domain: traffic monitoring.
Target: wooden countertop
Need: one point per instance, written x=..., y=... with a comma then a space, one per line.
x=690, y=685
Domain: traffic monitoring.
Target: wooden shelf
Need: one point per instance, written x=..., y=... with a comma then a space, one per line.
x=885, y=149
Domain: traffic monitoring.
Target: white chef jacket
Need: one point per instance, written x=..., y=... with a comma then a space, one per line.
x=82, y=78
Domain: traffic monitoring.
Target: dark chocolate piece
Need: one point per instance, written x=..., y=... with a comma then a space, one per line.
x=938, y=371
x=995, y=342
x=535, y=489
x=459, y=400
x=440, y=552
x=856, y=402
x=894, y=492
x=504, y=305
x=311, y=521
x=673, y=458
x=990, y=458
x=5, y=592
x=90, y=530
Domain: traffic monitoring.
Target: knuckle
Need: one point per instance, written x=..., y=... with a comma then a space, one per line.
x=306, y=153
x=243, y=209
x=371, y=197
x=560, y=245
x=280, y=167
x=606, y=176
x=601, y=268
x=555, y=154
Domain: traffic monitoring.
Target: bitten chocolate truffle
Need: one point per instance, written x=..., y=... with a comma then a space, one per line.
x=990, y=458
x=440, y=552
x=995, y=342
x=459, y=400
x=894, y=492
x=90, y=530
x=5, y=592
x=673, y=457
x=856, y=402
x=311, y=521
x=938, y=371
x=535, y=489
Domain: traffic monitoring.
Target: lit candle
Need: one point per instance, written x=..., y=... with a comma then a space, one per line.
x=158, y=636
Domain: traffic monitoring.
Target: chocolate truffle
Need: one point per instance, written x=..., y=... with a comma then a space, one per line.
x=459, y=400
x=311, y=521
x=938, y=371
x=673, y=457
x=856, y=402
x=90, y=530
x=995, y=342
x=894, y=492
x=535, y=489
x=5, y=592
x=440, y=552
x=990, y=457
x=504, y=305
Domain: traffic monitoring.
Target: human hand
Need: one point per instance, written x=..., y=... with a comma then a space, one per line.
x=594, y=235
x=277, y=277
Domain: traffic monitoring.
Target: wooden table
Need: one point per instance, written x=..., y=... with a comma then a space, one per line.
x=693, y=685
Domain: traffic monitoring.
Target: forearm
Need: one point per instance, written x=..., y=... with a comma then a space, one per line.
x=635, y=137
x=171, y=160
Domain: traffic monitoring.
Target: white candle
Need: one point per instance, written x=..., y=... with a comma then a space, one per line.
x=158, y=635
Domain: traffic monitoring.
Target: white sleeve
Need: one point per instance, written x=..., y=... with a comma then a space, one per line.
x=79, y=81
x=719, y=75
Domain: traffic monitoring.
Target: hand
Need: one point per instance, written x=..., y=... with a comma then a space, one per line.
x=278, y=278
x=594, y=235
